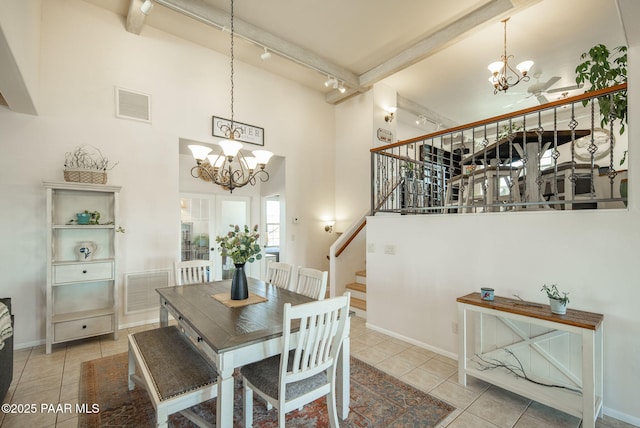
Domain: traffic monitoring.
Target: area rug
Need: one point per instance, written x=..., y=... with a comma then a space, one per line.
x=377, y=400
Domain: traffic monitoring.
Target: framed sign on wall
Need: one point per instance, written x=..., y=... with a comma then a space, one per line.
x=248, y=133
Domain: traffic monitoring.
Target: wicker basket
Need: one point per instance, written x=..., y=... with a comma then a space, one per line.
x=85, y=176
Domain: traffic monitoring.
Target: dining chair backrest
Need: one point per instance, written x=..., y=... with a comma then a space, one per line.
x=279, y=274
x=312, y=282
x=193, y=271
x=306, y=369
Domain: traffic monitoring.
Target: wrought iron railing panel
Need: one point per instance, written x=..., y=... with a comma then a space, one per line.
x=556, y=156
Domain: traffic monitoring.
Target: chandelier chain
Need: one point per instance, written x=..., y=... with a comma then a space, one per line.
x=231, y=52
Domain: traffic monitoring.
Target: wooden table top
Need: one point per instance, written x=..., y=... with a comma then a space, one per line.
x=501, y=148
x=573, y=317
x=224, y=328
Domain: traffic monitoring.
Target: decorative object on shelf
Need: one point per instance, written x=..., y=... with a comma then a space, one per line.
x=502, y=74
x=486, y=293
x=558, y=303
x=241, y=245
x=87, y=217
x=230, y=168
x=86, y=251
x=86, y=164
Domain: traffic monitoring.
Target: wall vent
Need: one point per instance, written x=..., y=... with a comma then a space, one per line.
x=133, y=105
x=140, y=290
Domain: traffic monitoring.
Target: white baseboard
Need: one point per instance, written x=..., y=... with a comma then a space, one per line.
x=413, y=341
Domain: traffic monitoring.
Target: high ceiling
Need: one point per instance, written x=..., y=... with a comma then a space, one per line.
x=434, y=53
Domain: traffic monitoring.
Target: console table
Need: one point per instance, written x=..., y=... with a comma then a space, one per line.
x=557, y=344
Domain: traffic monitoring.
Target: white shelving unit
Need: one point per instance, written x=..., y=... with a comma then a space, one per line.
x=82, y=296
x=575, y=356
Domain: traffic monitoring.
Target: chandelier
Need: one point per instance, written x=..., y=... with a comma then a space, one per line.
x=502, y=74
x=230, y=168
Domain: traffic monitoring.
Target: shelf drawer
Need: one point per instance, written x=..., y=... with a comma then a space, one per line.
x=82, y=272
x=76, y=329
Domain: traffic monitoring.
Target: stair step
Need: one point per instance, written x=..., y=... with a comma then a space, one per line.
x=359, y=303
x=357, y=287
x=361, y=273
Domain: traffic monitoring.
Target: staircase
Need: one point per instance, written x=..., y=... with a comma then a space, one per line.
x=358, y=291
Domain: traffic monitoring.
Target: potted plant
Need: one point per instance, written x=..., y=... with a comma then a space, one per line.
x=604, y=68
x=241, y=245
x=557, y=302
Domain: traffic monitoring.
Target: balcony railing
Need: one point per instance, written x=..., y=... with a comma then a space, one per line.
x=559, y=155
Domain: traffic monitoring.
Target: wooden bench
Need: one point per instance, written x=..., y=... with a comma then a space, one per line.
x=175, y=375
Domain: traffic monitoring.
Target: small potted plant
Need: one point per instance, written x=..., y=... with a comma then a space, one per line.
x=558, y=302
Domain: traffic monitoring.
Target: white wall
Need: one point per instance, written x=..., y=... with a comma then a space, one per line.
x=86, y=52
x=590, y=254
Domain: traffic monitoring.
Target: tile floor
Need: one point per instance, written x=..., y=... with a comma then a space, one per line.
x=40, y=378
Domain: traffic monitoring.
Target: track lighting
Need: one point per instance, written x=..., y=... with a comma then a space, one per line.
x=341, y=88
x=331, y=82
x=265, y=55
x=146, y=7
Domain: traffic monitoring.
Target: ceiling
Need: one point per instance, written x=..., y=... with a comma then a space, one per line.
x=434, y=53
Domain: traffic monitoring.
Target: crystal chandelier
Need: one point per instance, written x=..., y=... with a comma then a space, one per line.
x=502, y=74
x=230, y=169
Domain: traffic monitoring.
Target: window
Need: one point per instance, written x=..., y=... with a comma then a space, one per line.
x=272, y=215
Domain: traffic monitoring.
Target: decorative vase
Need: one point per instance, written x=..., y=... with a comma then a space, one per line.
x=83, y=218
x=86, y=250
x=239, y=287
x=558, y=307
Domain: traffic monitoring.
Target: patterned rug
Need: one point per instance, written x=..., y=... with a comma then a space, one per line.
x=377, y=400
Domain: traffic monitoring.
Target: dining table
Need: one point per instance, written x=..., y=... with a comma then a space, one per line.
x=530, y=145
x=232, y=333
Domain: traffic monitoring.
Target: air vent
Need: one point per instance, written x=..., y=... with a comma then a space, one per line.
x=140, y=290
x=133, y=105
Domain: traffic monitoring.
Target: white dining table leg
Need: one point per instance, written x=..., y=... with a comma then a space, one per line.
x=224, y=405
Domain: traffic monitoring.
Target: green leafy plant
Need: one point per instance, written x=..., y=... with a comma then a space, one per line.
x=604, y=68
x=554, y=293
x=240, y=244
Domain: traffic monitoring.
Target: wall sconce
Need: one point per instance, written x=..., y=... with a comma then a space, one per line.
x=328, y=227
x=390, y=114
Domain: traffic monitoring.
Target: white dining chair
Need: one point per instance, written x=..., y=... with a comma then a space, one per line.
x=312, y=283
x=294, y=378
x=279, y=274
x=193, y=271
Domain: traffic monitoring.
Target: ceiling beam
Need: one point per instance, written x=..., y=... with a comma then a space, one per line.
x=435, y=41
x=135, y=17
x=220, y=19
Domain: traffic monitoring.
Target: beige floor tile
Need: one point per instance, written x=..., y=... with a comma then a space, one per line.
x=455, y=394
x=422, y=379
x=468, y=420
x=414, y=357
x=371, y=355
x=394, y=366
x=372, y=338
x=500, y=408
x=548, y=416
x=440, y=368
x=42, y=390
x=67, y=423
x=450, y=418
x=610, y=422
x=391, y=347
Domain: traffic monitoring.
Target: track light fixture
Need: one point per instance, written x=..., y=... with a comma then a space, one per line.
x=265, y=55
x=146, y=7
x=331, y=82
